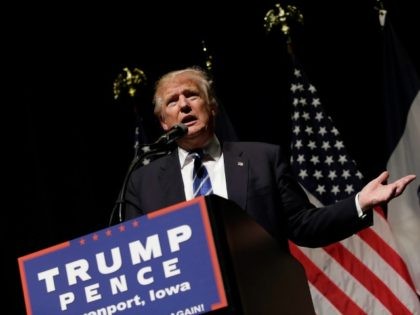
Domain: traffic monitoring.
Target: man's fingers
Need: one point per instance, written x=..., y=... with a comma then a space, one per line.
x=402, y=183
x=382, y=177
x=409, y=178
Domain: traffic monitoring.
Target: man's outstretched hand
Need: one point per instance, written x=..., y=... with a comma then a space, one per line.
x=376, y=192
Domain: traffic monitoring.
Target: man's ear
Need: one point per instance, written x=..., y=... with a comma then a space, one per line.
x=214, y=109
x=163, y=124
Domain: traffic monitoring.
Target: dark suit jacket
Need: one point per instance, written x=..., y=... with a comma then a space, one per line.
x=259, y=180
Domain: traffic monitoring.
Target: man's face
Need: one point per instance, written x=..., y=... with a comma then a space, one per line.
x=183, y=101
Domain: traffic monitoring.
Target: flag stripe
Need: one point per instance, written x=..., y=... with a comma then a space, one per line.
x=385, y=272
x=379, y=211
x=327, y=287
x=382, y=228
x=344, y=280
x=366, y=277
x=322, y=306
x=387, y=253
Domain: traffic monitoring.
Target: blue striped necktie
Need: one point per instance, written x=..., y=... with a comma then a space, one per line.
x=201, y=179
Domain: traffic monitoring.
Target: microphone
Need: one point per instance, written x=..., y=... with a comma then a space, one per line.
x=176, y=132
x=159, y=148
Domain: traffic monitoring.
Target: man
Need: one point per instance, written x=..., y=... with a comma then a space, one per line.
x=254, y=175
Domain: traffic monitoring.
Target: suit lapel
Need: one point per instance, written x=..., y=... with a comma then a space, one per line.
x=236, y=170
x=170, y=178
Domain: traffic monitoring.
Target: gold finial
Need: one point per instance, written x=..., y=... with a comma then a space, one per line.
x=209, y=58
x=129, y=81
x=282, y=16
x=381, y=12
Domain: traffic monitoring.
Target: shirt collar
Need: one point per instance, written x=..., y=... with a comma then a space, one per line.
x=212, y=151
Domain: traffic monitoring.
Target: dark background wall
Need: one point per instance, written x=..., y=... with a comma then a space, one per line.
x=71, y=142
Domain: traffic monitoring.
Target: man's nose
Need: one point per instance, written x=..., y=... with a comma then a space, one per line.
x=183, y=102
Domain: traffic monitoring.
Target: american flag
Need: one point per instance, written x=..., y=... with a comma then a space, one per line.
x=363, y=274
x=319, y=156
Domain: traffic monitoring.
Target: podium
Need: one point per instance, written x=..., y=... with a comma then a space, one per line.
x=267, y=279
x=205, y=255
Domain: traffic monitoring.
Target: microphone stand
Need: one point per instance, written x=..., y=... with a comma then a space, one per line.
x=149, y=152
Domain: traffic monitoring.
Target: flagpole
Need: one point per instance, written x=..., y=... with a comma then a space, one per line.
x=127, y=87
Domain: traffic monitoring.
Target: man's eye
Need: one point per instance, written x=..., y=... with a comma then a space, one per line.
x=171, y=104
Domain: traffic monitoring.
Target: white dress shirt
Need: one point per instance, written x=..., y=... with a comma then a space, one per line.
x=213, y=161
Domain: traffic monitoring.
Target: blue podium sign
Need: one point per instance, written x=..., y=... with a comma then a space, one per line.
x=161, y=263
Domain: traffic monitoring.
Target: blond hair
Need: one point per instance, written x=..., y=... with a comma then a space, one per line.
x=199, y=75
